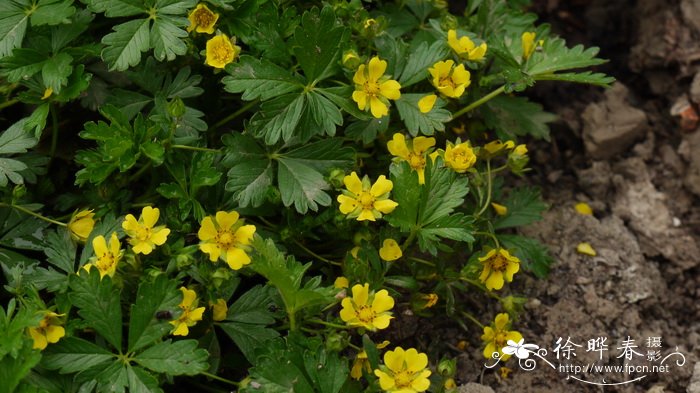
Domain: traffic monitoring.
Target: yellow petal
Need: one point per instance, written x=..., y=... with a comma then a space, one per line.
x=196, y=314
x=130, y=224
x=382, y=302
x=245, y=234
x=54, y=333
x=390, y=89
x=47, y=93
x=452, y=41
x=212, y=249
x=394, y=359
x=142, y=248
x=150, y=215
x=386, y=382
x=528, y=43
x=226, y=219
x=353, y=183
x=114, y=245
x=237, y=258
x=376, y=68
x=494, y=281
x=415, y=361
x=40, y=341
x=360, y=97
x=181, y=329
x=378, y=108
x=397, y=146
x=382, y=321
x=341, y=282
x=381, y=186
x=347, y=313
x=490, y=349
x=347, y=204
x=385, y=206
x=584, y=209
x=219, y=310
x=421, y=144
x=99, y=244
x=207, y=231
x=426, y=103
x=359, y=77
x=500, y=209
x=501, y=321
x=421, y=382
x=390, y=250
x=586, y=249
x=360, y=294
x=188, y=297
x=160, y=236
x=366, y=215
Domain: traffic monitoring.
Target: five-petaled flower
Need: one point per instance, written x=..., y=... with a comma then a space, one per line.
x=144, y=236
x=464, y=47
x=364, y=200
x=367, y=309
x=414, y=151
x=224, y=236
x=48, y=331
x=221, y=51
x=106, y=258
x=448, y=79
x=497, y=335
x=404, y=371
x=202, y=19
x=390, y=250
x=499, y=266
x=190, y=313
x=81, y=224
x=373, y=89
x=459, y=157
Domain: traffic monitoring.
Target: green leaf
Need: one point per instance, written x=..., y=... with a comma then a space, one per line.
x=416, y=121
x=56, y=71
x=153, y=150
x=144, y=327
x=9, y=169
x=73, y=354
x=16, y=139
x=166, y=38
x=534, y=255
x=13, y=371
x=247, y=319
x=13, y=26
x=317, y=43
x=524, y=205
x=116, y=8
x=513, y=116
x=444, y=191
x=592, y=78
x=555, y=56
x=420, y=60
x=60, y=250
x=301, y=185
x=174, y=358
x=124, y=46
x=23, y=232
x=23, y=63
x=324, y=113
x=324, y=155
x=407, y=193
x=278, y=118
x=52, y=12
x=456, y=227
x=140, y=381
x=249, y=182
x=259, y=79
x=98, y=303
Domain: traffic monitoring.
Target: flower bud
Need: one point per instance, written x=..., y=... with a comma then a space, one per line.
x=176, y=108
x=447, y=367
x=350, y=61
x=81, y=224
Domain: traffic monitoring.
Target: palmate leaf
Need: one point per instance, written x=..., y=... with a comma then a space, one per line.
x=278, y=118
x=317, y=43
x=420, y=60
x=16, y=14
x=259, y=79
x=73, y=354
x=152, y=297
x=555, y=56
x=174, y=358
x=98, y=303
x=512, y=116
x=525, y=206
x=418, y=122
x=125, y=45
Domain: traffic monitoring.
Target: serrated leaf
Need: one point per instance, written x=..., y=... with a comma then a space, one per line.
x=174, y=358
x=524, y=205
x=14, y=370
x=555, y=56
x=73, y=354
x=116, y=8
x=98, y=303
x=418, y=122
x=455, y=227
x=16, y=139
x=444, y=191
x=124, y=46
x=56, y=70
x=324, y=113
x=13, y=26
x=323, y=155
x=141, y=381
x=278, y=118
x=249, y=181
x=22, y=232
x=420, y=60
x=23, y=64
x=512, y=116
x=301, y=185
x=166, y=39
x=60, y=250
x=317, y=43
x=592, y=78
x=407, y=193
x=144, y=327
x=52, y=12
x=9, y=169
x=534, y=255
x=259, y=79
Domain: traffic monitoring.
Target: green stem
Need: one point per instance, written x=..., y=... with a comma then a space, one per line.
x=31, y=213
x=491, y=235
x=140, y=172
x=54, y=130
x=292, y=320
x=218, y=378
x=196, y=148
x=479, y=102
x=313, y=254
x=330, y=324
x=8, y=103
x=409, y=239
x=488, y=189
x=423, y=261
x=471, y=318
x=235, y=114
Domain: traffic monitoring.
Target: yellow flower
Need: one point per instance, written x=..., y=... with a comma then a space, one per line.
x=369, y=22
x=362, y=362
x=499, y=266
x=367, y=310
x=520, y=150
x=390, y=250
x=586, y=249
x=500, y=209
x=202, y=19
x=48, y=331
x=427, y=103
x=497, y=147
x=219, y=310
x=341, y=282
x=47, y=93
x=430, y=299
x=221, y=51
x=81, y=224
x=449, y=384
x=225, y=237
x=373, y=89
x=497, y=335
x=584, y=209
x=528, y=42
x=190, y=313
x=365, y=201
x=415, y=154
x=404, y=371
x=143, y=236
x=464, y=47
x=459, y=157
x=449, y=80
x=106, y=258
x=504, y=372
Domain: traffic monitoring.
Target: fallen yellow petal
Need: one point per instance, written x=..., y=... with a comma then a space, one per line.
x=586, y=249
x=500, y=209
x=583, y=208
x=341, y=282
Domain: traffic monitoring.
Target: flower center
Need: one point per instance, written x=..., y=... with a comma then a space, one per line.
x=403, y=379
x=416, y=161
x=447, y=81
x=225, y=239
x=204, y=18
x=500, y=339
x=366, y=200
x=143, y=233
x=371, y=88
x=223, y=53
x=105, y=262
x=365, y=314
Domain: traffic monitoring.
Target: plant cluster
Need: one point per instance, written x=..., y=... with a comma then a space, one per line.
x=254, y=192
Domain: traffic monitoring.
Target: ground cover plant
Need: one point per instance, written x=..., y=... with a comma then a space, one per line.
x=241, y=194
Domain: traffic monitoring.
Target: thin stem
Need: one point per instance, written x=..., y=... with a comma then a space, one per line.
x=31, y=213
x=218, y=378
x=196, y=148
x=235, y=114
x=54, y=130
x=491, y=235
x=471, y=318
x=488, y=189
x=292, y=320
x=423, y=261
x=479, y=102
x=8, y=103
x=330, y=324
x=313, y=254
x=140, y=172
x=409, y=239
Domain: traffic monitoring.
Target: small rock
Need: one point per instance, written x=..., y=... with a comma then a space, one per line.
x=692, y=176
x=610, y=127
x=690, y=9
x=694, y=385
x=683, y=109
x=671, y=159
x=657, y=389
x=695, y=89
x=473, y=387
